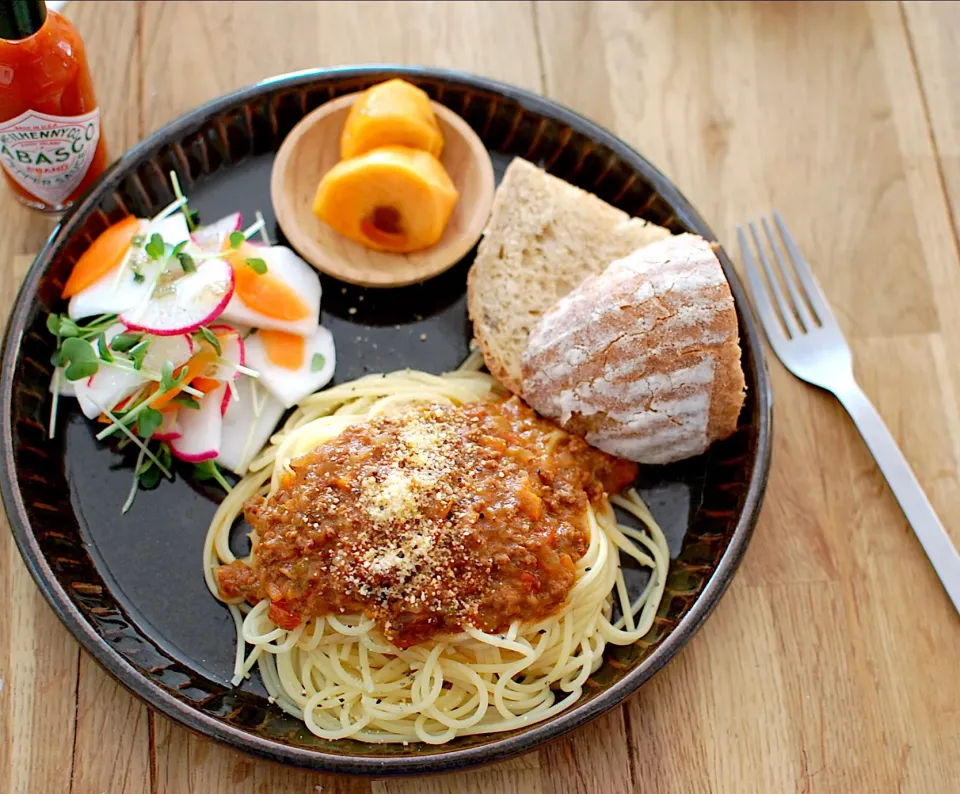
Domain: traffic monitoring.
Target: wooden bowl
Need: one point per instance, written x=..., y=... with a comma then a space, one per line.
x=313, y=147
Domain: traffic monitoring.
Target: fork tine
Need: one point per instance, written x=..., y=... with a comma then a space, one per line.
x=761, y=298
x=818, y=301
x=786, y=273
x=786, y=314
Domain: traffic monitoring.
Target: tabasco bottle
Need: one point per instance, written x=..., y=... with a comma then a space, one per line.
x=51, y=143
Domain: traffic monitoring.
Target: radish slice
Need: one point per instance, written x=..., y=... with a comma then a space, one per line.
x=292, y=385
x=211, y=238
x=186, y=303
x=66, y=388
x=110, y=296
x=108, y=387
x=175, y=349
x=288, y=268
x=227, y=399
x=173, y=229
x=169, y=430
x=201, y=429
x=233, y=351
x=247, y=424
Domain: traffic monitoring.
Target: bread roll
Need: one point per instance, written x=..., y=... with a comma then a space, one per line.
x=544, y=237
x=643, y=359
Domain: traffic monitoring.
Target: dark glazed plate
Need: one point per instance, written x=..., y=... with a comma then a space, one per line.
x=130, y=588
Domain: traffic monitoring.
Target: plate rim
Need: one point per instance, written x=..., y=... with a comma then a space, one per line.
x=443, y=760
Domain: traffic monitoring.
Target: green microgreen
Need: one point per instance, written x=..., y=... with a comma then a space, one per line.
x=186, y=261
x=148, y=475
x=155, y=248
x=123, y=342
x=132, y=493
x=237, y=239
x=208, y=470
x=169, y=381
x=318, y=362
x=118, y=424
x=186, y=401
x=80, y=358
x=192, y=216
x=257, y=265
x=148, y=420
x=103, y=348
x=211, y=337
x=138, y=352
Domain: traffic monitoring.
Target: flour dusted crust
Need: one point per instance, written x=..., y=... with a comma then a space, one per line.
x=643, y=359
x=544, y=237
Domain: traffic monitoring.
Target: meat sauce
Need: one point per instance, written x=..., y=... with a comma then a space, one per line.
x=429, y=521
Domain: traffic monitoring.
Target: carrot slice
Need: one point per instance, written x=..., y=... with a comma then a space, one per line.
x=262, y=292
x=206, y=385
x=102, y=256
x=196, y=366
x=283, y=349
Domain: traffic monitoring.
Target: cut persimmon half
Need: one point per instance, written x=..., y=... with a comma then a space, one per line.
x=394, y=113
x=394, y=199
x=104, y=254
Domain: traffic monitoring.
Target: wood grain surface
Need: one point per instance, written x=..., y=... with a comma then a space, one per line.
x=831, y=664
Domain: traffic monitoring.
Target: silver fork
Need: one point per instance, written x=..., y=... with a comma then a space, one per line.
x=805, y=336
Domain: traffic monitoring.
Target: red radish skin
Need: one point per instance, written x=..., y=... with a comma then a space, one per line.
x=170, y=429
x=191, y=457
x=234, y=349
x=206, y=318
x=225, y=403
x=201, y=430
x=211, y=237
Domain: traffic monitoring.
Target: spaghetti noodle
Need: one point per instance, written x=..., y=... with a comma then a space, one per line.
x=343, y=676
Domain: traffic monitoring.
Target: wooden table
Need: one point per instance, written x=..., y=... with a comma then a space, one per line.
x=832, y=663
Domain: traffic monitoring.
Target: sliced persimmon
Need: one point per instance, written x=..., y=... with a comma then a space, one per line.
x=283, y=349
x=394, y=113
x=393, y=199
x=104, y=254
x=263, y=292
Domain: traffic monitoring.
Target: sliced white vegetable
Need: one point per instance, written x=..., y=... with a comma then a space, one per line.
x=201, y=429
x=108, y=387
x=233, y=353
x=108, y=295
x=173, y=229
x=186, y=303
x=288, y=268
x=65, y=388
x=292, y=385
x=212, y=238
x=247, y=425
x=175, y=349
x=169, y=429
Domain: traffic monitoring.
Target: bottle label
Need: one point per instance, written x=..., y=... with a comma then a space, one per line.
x=48, y=156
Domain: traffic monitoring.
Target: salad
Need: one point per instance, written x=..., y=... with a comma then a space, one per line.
x=188, y=341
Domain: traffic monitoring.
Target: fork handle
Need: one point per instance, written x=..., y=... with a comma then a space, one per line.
x=913, y=501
